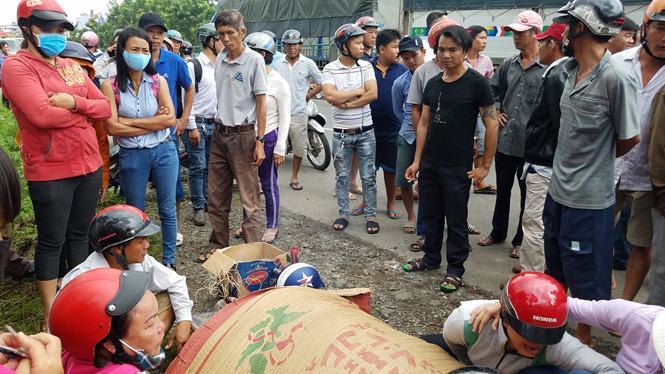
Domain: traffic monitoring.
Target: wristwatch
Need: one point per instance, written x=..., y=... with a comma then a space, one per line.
x=260, y=138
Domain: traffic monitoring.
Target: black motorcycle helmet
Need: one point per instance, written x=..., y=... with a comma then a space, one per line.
x=118, y=224
x=77, y=50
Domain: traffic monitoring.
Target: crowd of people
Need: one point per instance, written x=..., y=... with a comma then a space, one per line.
x=580, y=93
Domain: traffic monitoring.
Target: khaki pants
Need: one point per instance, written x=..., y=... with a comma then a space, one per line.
x=232, y=156
x=532, y=253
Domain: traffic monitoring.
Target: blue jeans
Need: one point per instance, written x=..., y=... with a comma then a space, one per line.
x=136, y=165
x=179, y=191
x=364, y=146
x=198, y=165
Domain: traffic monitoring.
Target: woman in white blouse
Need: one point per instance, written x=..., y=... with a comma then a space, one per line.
x=278, y=117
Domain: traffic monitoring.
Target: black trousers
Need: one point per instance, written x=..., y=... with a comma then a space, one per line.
x=444, y=193
x=63, y=211
x=507, y=169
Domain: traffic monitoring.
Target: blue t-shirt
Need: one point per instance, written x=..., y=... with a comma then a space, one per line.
x=386, y=123
x=401, y=108
x=175, y=71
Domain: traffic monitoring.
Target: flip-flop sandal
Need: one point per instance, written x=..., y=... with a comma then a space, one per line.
x=417, y=246
x=203, y=257
x=340, y=224
x=487, y=190
x=487, y=241
x=417, y=264
x=238, y=234
x=372, y=227
x=451, y=283
x=409, y=227
x=394, y=213
x=356, y=190
x=270, y=236
x=358, y=212
x=473, y=230
x=296, y=186
x=515, y=253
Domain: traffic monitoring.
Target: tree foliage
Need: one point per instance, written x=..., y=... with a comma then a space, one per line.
x=183, y=15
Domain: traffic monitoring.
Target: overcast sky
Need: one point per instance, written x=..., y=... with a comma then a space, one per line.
x=74, y=8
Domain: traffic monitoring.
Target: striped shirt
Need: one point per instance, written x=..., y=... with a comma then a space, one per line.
x=299, y=75
x=346, y=78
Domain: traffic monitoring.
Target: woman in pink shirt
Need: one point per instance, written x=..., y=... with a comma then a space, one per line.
x=54, y=103
x=483, y=65
x=119, y=331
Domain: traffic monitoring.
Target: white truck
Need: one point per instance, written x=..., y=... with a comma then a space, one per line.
x=493, y=14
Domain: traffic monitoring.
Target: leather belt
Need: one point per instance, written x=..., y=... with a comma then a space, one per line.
x=356, y=131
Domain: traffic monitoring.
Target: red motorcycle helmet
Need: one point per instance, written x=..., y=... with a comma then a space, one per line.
x=433, y=35
x=367, y=21
x=49, y=12
x=81, y=313
x=535, y=305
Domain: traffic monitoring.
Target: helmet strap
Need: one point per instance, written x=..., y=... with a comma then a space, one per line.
x=347, y=53
x=645, y=45
x=122, y=258
x=120, y=355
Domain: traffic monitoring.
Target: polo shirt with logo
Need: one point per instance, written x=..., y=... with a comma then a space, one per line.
x=238, y=83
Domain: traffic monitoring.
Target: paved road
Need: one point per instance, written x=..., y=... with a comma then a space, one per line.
x=486, y=267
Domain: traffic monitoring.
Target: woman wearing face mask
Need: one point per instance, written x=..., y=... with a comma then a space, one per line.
x=142, y=114
x=278, y=118
x=54, y=103
x=107, y=322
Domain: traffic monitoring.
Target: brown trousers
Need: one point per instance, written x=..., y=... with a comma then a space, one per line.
x=232, y=156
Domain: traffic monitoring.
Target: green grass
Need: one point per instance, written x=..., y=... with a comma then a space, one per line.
x=20, y=304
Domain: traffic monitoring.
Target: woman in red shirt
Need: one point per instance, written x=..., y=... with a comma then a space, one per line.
x=54, y=103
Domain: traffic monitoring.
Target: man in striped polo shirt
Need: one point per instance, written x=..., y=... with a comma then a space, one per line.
x=299, y=71
x=349, y=85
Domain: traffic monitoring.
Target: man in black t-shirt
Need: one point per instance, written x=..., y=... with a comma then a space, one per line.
x=444, y=155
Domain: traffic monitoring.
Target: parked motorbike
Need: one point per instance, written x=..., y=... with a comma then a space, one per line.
x=318, y=147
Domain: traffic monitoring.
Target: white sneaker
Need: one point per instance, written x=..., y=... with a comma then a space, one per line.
x=178, y=239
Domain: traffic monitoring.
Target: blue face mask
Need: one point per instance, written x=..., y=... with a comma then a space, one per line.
x=52, y=44
x=136, y=61
x=144, y=361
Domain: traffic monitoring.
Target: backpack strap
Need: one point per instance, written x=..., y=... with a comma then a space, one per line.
x=116, y=91
x=198, y=72
x=154, y=86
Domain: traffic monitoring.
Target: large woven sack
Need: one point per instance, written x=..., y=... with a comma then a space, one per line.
x=304, y=330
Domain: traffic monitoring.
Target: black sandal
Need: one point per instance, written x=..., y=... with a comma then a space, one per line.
x=417, y=264
x=340, y=224
x=451, y=283
x=417, y=246
x=372, y=227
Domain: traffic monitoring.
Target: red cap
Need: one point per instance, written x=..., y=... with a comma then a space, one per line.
x=45, y=10
x=554, y=31
x=433, y=35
